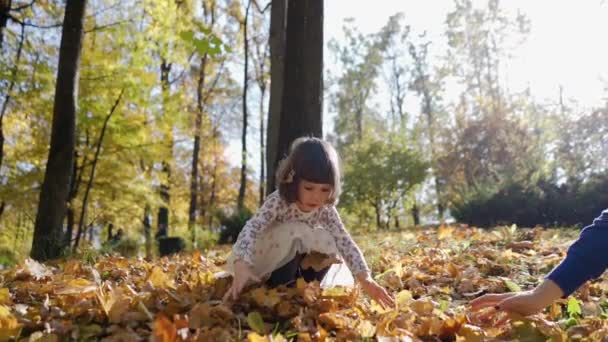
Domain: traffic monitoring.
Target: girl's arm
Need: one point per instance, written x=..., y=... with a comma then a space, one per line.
x=354, y=258
x=243, y=248
x=346, y=245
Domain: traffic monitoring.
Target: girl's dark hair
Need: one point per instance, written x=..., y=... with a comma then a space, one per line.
x=311, y=159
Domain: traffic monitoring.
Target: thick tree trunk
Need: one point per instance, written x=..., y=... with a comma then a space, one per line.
x=243, y=186
x=278, y=20
x=302, y=104
x=47, y=240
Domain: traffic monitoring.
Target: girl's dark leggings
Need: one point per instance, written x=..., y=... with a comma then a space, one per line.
x=290, y=272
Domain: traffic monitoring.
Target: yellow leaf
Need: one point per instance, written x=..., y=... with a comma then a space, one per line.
x=444, y=232
x=403, y=299
x=470, y=333
x=266, y=298
x=5, y=296
x=255, y=321
x=160, y=279
x=78, y=285
x=9, y=326
x=254, y=337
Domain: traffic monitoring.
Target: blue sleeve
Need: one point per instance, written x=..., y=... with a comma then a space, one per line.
x=587, y=257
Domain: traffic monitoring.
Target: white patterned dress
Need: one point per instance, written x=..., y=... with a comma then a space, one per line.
x=279, y=230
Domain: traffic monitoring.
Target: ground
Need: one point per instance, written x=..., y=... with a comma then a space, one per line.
x=432, y=272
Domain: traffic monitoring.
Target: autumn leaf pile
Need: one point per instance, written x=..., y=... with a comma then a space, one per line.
x=432, y=273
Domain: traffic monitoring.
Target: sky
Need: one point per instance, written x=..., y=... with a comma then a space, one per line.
x=566, y=46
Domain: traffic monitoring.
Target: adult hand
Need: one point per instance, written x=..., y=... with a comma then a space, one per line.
x=524, y=303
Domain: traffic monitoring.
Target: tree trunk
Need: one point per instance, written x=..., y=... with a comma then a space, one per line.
x=75, y=180
x=147, y=232
x=278, y=17
x=54, y=193
x=262, y=149
x=416, y=213
x=7, y=96
x=5, y=8
x=302, y=104
x=378, y=214
x=83, y=210
x=163, y=211
x=198, y=123
x=212, y=197
x=243, y=186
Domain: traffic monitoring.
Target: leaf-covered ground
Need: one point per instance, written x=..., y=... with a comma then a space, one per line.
x=433, y=273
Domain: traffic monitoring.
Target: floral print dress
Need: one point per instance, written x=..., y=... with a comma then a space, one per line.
x=279, y=230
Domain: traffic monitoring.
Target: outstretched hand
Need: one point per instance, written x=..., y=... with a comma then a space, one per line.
x=524, y=303
x=242, y=275
x=376, y=292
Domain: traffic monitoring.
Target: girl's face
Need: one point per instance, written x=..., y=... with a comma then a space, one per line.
x=312, y=195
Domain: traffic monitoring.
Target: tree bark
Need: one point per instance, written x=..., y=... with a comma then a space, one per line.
x=243, y=186
x=198, y=123
x=163, y=211
x=47, y=242
x=278, y=20
x=5, y=8
x=302, y=104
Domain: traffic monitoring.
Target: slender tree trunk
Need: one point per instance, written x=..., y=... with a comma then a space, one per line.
x=83, y=210
x=378, y=214
x=5, y=8
x=163, y=211
x=47, y=241
x=262, y=149
x=416, y=213
x=278, y=20
x=198, y=123
x=7, y=96
x=147, y=231
x=302, y=104
x=213, y=195
x=243, y=187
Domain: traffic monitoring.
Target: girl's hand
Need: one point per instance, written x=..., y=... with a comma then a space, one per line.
x=524, y=303
x=376, y=292
x=242, y=275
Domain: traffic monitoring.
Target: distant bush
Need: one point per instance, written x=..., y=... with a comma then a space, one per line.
x=543, y=203
x=232, y=224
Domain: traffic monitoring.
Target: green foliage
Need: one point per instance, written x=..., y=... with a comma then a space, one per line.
x=206, y=239
x=232, y=224
x=204, y=41
x=7, y=257
x=379, y=174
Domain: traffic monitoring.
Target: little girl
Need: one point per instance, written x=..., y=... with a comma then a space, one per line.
x=297, y=219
